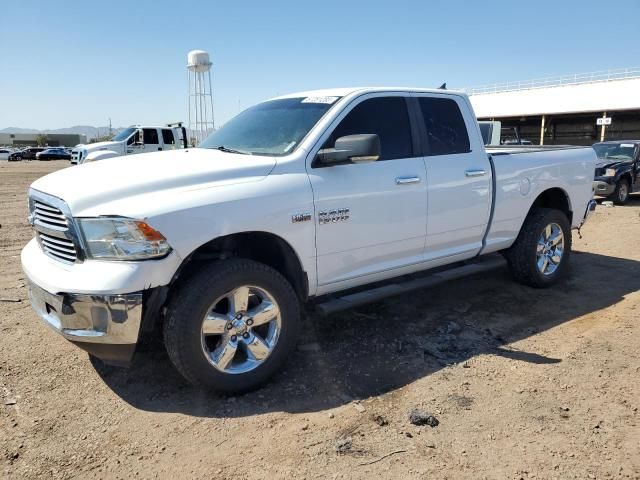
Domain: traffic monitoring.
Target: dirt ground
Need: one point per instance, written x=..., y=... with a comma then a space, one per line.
x=525, y=383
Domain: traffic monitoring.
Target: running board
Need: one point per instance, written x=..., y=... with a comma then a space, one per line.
x=338, y=304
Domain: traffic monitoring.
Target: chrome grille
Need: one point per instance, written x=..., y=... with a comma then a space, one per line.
x=49, y=216
x=55, y=230
x=61, y=248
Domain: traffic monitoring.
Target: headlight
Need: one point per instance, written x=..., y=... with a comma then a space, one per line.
x=610, y=172
x=116, y=238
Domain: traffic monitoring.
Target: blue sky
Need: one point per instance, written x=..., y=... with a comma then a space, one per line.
x=78, y=63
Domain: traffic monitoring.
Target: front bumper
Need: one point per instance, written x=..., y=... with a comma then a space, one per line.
x=106, y=326
x=97, y=305
x=603, y=188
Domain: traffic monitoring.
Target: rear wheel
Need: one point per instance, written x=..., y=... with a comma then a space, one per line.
x=231, y=326
x=540, y=255
x=621, y=194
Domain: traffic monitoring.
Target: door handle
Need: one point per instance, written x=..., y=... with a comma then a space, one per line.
x=474, y=173
x=407, y=180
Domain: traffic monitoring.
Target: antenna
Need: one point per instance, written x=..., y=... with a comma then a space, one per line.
x=201, y=121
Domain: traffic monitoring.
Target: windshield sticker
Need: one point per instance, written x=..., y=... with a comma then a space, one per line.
x=627, y=145
x=327, y=100
x=289, y=147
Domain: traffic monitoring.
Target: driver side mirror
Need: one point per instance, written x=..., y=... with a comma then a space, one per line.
x=360, y=148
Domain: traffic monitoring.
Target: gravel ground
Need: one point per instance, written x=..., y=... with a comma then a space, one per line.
x=521, y=383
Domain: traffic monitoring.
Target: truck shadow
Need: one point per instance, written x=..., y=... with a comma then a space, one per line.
x=381, y=347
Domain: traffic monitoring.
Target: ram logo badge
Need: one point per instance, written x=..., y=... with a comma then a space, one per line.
x=333, y=216
x=300, y=217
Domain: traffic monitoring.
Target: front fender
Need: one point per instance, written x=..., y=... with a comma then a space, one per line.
x=624, y=173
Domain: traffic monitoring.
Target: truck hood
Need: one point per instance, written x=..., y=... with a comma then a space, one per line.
x=86, y=186
x=611, y=163
x=93, y=147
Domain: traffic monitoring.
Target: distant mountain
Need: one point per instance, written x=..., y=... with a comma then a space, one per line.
x=89, y=131
x=18, y=130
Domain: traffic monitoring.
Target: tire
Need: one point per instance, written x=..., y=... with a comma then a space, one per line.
x=194, y=352
x=526, y=255
x=620, y=195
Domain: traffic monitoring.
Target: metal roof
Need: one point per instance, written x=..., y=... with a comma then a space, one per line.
x=598, y=92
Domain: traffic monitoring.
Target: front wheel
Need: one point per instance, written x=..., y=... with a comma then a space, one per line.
x=621, y=194
x=540, y=255
x=231, y=326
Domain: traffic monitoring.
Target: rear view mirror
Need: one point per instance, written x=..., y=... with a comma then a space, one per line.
x=361, y=148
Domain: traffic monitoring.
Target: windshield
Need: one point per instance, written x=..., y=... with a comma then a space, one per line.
x=124, y=134
x=614, y=151
x=275, y=127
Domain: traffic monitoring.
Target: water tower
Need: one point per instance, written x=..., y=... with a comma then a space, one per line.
x=200, y=95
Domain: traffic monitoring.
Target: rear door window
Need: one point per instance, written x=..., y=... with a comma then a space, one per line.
x=150, y=136
x=446, y=132
x=167, y=136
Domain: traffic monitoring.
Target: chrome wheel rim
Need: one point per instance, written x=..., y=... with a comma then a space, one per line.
x=623, y=192
x=241, y=329
x=550, y=249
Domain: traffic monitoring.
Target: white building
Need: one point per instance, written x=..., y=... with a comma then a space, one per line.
x=52, y=139
x=565, y=110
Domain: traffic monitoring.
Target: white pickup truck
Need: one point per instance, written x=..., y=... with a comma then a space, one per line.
x=296, y=199
x=133, y=140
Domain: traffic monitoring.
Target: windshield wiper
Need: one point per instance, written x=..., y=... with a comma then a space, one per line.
x=222, y=148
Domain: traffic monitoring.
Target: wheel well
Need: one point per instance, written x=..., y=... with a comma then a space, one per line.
x=262, y=247
x=555, y=198
x=626, y=176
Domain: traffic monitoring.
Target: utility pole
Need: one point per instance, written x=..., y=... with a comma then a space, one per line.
x=110, y=132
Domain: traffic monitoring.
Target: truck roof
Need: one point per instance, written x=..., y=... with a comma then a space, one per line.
x=153, y=126
x=343, y=92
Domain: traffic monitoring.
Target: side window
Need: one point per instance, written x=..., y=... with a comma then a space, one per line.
x=446, y=131
x=167, y=136
x=150, y=136
x=385, y=116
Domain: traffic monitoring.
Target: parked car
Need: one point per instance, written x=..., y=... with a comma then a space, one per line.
x=618, y=169
x=15, y=156
x=54, y=153
x=295, y=200
x=133, y=140
x=26, y=154
x=4, y=153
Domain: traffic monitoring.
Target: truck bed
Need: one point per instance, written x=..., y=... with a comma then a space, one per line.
x=513, y=149
x=522, y=172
